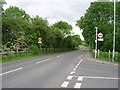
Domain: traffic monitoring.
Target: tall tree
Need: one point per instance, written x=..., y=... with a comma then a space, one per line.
x=101, y=15
x=64, y=27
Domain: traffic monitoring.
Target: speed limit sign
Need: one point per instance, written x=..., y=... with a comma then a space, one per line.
x=40, y=40
x=100, y=35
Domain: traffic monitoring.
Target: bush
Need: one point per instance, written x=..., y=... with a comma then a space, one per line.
x=117, y=57
x=33, y=49
x=105, y=56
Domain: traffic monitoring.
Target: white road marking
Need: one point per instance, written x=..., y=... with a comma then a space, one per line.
x=65, y=84
x=77, y=85
x=92, y=77
x=81, y=61
x=80, y=78
x=72, y=72
x=101, y=77
x=74, y=69
x=59, y=55
x=43, y=60
x=12, y=71
x=69, y=77
x=76, y=66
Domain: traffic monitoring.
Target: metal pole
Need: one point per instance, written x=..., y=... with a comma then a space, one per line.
x=109, y=55
x=114, y=33
x=96, y=43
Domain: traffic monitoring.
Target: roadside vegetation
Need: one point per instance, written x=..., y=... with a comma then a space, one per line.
x=101, y=15
x=106, y=56
x=26, y=55
x=20, y=33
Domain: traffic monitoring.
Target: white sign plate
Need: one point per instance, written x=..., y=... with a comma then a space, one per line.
x=100, y=39
x=39, y=42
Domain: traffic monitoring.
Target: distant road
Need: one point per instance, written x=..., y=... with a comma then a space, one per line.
x=65, y=70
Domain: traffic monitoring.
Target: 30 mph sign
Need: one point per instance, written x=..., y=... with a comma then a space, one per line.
x=100, y=35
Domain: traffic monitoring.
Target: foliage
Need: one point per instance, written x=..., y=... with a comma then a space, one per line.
x=105, y=56
x=64, y=27
x=21, y=32
x=101, y=15
x=34, y=49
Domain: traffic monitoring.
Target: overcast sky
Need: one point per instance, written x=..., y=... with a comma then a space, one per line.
x=55, y=10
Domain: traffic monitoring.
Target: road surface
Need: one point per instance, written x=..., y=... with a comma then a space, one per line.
x=64, y=70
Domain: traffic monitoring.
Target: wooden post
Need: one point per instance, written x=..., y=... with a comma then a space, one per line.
x=98, y=53
x=40, y=47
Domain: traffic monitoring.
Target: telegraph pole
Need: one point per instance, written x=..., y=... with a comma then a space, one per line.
x=113, y=56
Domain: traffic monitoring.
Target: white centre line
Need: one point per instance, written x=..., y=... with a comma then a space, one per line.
x=81, y=61
x=80, y=78
x=43, y=60
x=72, y=72
x=12, y=71
x=59, y=56
x=77, y=85
x=76, y=66
x=65, y=84
x=74, y=69
x=69, y=77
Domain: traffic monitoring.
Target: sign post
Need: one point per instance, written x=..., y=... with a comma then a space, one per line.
x=96, y=43
x=40, y=42
x=109, y=54
x=113, y=55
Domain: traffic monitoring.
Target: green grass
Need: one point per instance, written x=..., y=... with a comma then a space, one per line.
x=20, y=56
x=104, y=56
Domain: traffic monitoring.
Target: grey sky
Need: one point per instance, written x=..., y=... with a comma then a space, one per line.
x=55, y=10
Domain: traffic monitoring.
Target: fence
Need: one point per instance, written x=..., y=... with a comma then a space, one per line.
x=106, y=55
x=44, y=50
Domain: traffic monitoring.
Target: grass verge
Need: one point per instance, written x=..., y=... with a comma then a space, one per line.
x=105, y=56
x=20, y=56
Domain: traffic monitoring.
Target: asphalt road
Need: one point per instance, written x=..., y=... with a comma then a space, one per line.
x=65, y=70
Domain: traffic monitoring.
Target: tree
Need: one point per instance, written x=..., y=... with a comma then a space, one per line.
x=99, y=14
x=13, y=23
x=21, y=32
x=64, y=27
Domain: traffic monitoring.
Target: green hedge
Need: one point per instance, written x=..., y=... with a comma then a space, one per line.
x=105, y=56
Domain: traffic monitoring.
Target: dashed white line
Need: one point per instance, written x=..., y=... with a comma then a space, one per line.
x=77, y=85
x=43, y=60
x=12, y=71
x=80, y=78
x=65, y=84
x=69, y=77
x=81, y=61
x=74, y=69
x=76, y=66
x=59, y=55
x=72, y=72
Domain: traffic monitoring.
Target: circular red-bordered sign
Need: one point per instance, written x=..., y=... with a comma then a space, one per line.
x=100, y=35
x=40, y=40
